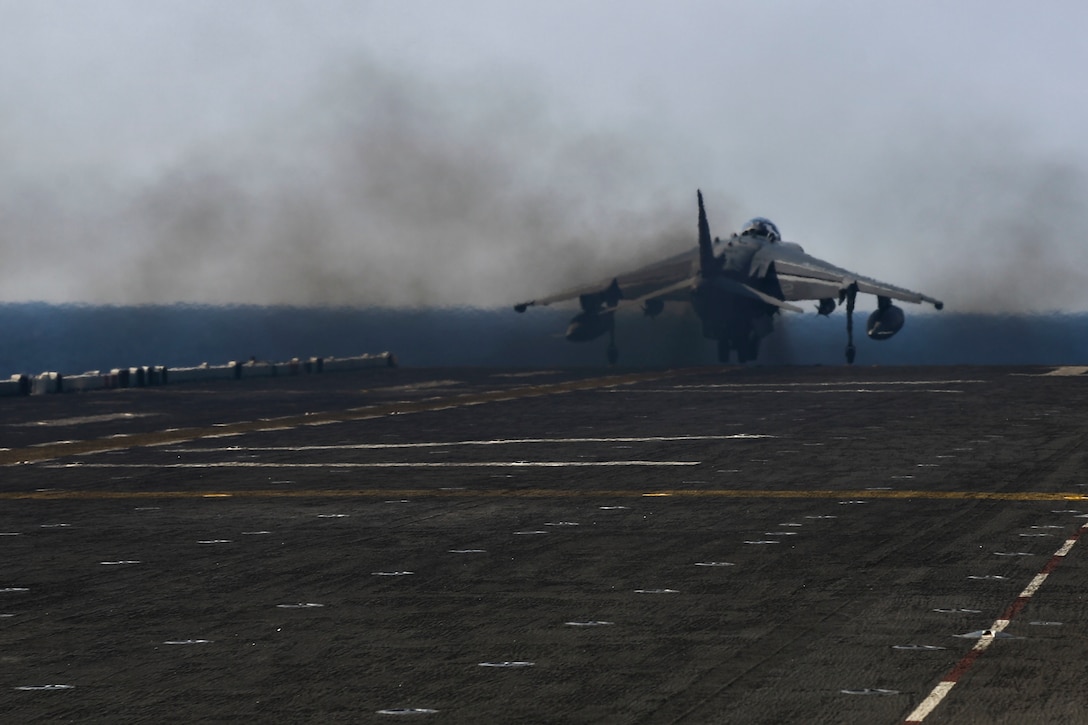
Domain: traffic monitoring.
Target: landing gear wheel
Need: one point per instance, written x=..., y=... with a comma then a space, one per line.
x=748, y=350
x=723, y=351
x=613, y=353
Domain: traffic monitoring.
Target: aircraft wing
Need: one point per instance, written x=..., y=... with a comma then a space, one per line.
x=666, y=279
x=804, y=277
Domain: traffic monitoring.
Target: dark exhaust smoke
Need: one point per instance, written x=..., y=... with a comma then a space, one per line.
x=376, y=188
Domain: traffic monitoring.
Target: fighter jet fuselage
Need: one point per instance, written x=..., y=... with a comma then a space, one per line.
x=736, y=287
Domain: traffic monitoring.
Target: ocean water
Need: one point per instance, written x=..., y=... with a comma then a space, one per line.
x=70, y=339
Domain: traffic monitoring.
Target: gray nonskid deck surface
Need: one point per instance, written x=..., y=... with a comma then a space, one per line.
x=729, y=545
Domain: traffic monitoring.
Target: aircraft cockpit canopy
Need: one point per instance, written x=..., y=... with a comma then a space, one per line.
x=761, y=227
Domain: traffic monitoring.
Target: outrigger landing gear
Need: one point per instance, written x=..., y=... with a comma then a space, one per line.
x=850, y=293
x=612, y=352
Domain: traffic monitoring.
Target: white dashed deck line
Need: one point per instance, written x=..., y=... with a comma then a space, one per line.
x=1066, y=371
x=989, y=636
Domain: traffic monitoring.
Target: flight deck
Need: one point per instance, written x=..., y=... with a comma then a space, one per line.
x=716, y=544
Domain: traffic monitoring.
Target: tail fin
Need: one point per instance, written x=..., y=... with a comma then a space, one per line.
x=706, y=247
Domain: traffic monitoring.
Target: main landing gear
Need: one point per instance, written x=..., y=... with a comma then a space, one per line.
x=850, y=293
x=747, y=348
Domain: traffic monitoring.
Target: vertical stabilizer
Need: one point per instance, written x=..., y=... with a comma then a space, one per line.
x=706, y=247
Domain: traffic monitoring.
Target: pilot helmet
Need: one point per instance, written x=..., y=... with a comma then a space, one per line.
x=761, y=227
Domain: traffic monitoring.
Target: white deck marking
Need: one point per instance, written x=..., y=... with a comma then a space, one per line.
x=1034, y=585
x=1066, y=547
x=933, y=699
x=426, y=385
x=58, y=449
x=842, y=386
x=782, y=389
x=493, y=442
x=81, y=420
x=949, y=681
x=390, y=464
x=1066, y=371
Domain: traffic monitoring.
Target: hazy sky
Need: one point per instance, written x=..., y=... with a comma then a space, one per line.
x=482, y=151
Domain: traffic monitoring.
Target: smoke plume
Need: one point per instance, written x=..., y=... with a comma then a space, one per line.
x=352, y=154
x=375, y=189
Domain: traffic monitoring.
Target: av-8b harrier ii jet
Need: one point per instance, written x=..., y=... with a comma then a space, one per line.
x=736, y=286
